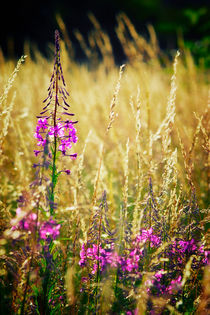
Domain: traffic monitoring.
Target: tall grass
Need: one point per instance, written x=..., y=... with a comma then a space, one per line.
x=134, y=212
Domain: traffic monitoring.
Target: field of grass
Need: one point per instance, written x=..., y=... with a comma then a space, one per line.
x=126, y=232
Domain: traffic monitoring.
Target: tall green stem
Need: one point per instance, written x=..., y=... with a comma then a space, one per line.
x=98, y=264
x=54, y=151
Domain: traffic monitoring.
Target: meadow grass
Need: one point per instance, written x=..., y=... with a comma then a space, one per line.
x=133, y=214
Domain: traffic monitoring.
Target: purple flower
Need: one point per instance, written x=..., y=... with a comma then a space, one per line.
x=49, y=229
x=159, y=274
x=94, y=269
x=57, y=131
x=96, y=254
x=175, y=285
x=147, y=235
x=73, y=156
x=36, y=152
x=135, y=312
x=66, y=135
x=24, y=221
x=155, y=240
x=42, y=123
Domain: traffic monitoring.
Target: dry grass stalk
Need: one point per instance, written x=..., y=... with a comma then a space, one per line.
x=107, y=295
x=97, y=177
x=6, y=110
x=168, y=122
x=187, y=155
x=170, y=172
x=204, y=305
x=69, y=280
x=139, y=176
x=67, y=40
x=112, y=114
x=6, y=120
x=83, y=44
x=206, y=145
x=103, y=42
x=10, y=81
x=153, y=39
x=126, y=172
x=78, y=180
x=129, y=50
x=139, y=47
x=143, y=296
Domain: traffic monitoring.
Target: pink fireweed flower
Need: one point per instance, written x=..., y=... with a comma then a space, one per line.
x=187, y=245
x=40, y=140
x=42, y=124
x=83, y=256
x=113, y=259
x=132, y=263
x=49, y=229
x=94, y=270
x=147, y=235
x=98, y=255
x=24, y=221
x=73, y=156
x=65, y=145
x=175, y=285
x=149, y=283
x=57, y=131
x=159, y=274
x=155, y=240
x=68, y=172
x=36, y=152
x=134, y=312
x=66, y=136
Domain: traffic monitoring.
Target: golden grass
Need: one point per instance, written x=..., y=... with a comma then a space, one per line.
x=147, y=120
x=167, y=130
x=171, y=123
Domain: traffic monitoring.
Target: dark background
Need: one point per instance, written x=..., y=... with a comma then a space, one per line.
x=35, y=21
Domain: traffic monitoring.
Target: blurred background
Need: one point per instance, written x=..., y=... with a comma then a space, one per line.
x=174, y=21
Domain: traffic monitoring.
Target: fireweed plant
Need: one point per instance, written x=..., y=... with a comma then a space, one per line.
x=55, y=134
x=53, y=128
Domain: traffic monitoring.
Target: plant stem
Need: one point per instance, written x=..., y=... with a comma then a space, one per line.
x=30, y=263
x=54, y=151
x=98, y=267
x=26, y=288
x=45, y=292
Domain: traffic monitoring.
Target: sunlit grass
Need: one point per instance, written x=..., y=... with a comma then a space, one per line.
x=143, y=139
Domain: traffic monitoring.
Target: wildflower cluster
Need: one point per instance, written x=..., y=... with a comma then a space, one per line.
x=96, y=254
x=161, y=283
x=64, y=131
x=180, y=251
x=164, y=281
x=47, y=230
x=23, y=220
x=147, y=235
x=107, y=256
